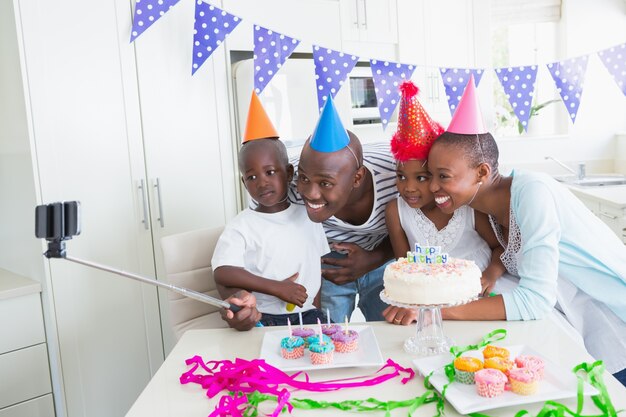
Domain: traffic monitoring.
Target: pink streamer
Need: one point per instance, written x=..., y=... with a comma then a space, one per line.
x=243, y=376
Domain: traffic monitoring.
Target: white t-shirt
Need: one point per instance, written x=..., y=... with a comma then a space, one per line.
x=275, y=246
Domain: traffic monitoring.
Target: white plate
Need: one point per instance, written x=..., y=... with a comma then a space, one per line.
x=557, y=383
x=368, y=353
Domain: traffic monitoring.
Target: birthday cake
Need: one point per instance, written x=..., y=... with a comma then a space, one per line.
x=429, y=276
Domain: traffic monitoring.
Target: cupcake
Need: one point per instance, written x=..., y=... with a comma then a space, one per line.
x=491, y=351
x=292, y=347
x=321, y=353
x=315, y=338
x=465, y=367
x=524, y=381
x=489, y=382
x=330, y=329
x=303, y=332
x=346, y=342
x=534, y=363
x=499, y=363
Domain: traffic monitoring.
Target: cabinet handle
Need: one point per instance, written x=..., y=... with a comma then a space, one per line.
x=364, y=22
x=144, y=199
x=157, y=186
x=436, y=85
x=608, y=216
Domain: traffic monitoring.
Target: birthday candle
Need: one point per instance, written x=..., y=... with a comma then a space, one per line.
x=289, y=326
x=328, y=316
x=346, y=329
x=319, y=325
x=300, y=317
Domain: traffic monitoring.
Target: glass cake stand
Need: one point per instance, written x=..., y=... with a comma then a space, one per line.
x=429, y=338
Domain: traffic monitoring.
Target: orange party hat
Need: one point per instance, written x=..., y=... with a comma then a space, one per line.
x=258, y=125
x=416, y=130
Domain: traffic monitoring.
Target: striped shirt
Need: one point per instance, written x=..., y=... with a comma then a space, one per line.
x=378, y=160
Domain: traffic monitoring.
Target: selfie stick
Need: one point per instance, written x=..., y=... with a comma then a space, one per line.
x=58, y=222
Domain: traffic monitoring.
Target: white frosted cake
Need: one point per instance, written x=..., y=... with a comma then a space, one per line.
x=412, y=280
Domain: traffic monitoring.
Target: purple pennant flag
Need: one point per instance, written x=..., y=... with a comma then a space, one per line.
x=387, y=78
x=271, y=50
x=331, y=69
x=211, y=27
x=614, y=59
x=569, y=76
x=147, y=12
x=519, y=87
x=455, y=80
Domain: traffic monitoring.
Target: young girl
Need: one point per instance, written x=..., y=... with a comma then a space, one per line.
x=274, y=250
x=563, y=255
x=414, y=216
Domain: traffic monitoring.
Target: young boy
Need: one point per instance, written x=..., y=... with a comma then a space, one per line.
x=273, y=250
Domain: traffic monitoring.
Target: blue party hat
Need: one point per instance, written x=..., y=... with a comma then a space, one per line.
x=329, y=134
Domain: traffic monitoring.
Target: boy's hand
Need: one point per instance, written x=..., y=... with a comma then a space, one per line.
x=247, y=317
x=291, y=292
x=399, y=315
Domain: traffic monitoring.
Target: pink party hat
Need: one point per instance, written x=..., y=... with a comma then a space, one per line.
x=467, y=119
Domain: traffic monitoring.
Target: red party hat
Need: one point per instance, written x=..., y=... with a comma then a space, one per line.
x=416, y=130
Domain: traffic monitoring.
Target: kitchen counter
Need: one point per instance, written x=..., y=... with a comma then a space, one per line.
x=14, y=285
x=614, y=194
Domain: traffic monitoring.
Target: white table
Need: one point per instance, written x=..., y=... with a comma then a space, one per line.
x=165, y=396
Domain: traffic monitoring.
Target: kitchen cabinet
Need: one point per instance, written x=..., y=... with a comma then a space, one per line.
x=440, y=33
x=608, y=204
x=369, y=28
x=25, y=387
x=146, y=148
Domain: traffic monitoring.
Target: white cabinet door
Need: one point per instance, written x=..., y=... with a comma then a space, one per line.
x=369, y=21
x=189, y=170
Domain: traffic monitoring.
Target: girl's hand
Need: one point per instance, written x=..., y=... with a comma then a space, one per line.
x=290, y=292
x=399, y=315
x=487, y=283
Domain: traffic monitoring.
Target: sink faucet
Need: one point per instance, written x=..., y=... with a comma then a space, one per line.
x=580, y=174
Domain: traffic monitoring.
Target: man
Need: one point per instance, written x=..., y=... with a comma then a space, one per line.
x=346, y=187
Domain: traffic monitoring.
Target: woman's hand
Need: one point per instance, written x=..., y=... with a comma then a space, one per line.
x=399, y=315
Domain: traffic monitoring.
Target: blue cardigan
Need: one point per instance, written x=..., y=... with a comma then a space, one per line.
x=561, y=238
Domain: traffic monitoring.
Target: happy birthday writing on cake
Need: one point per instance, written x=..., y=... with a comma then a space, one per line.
x=427, y=255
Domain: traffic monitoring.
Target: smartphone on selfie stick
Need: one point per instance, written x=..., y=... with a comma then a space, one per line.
x=59, y=222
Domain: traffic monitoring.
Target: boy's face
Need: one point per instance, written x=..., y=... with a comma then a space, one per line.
x=265, y=177
x=325, y=180
x=453, y=181
x=412, y=181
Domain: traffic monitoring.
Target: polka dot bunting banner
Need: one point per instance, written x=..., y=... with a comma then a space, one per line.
x=519, y=87
x=454, y=82
x=211, y=27
x=387, y=77
x=331, y=70
x=614, y=59
x=147, y=12
x=569, y=76
x=271, y=50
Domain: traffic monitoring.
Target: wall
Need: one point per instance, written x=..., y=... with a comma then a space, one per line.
x=603, y=106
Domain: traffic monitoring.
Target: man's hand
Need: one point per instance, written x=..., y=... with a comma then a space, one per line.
x=247, y=317
x=355, y=265
x=289, y=291
x=399, y=315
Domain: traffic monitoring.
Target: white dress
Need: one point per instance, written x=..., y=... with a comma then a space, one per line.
x=459, y=238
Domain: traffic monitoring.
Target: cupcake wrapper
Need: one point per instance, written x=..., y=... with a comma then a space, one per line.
x=524, y=388
x=292, y=353
x=347, y=347
x=490, y=390
x=464, y=377
x=321, y=358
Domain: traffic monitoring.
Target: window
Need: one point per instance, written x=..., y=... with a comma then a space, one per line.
x=525, y=37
